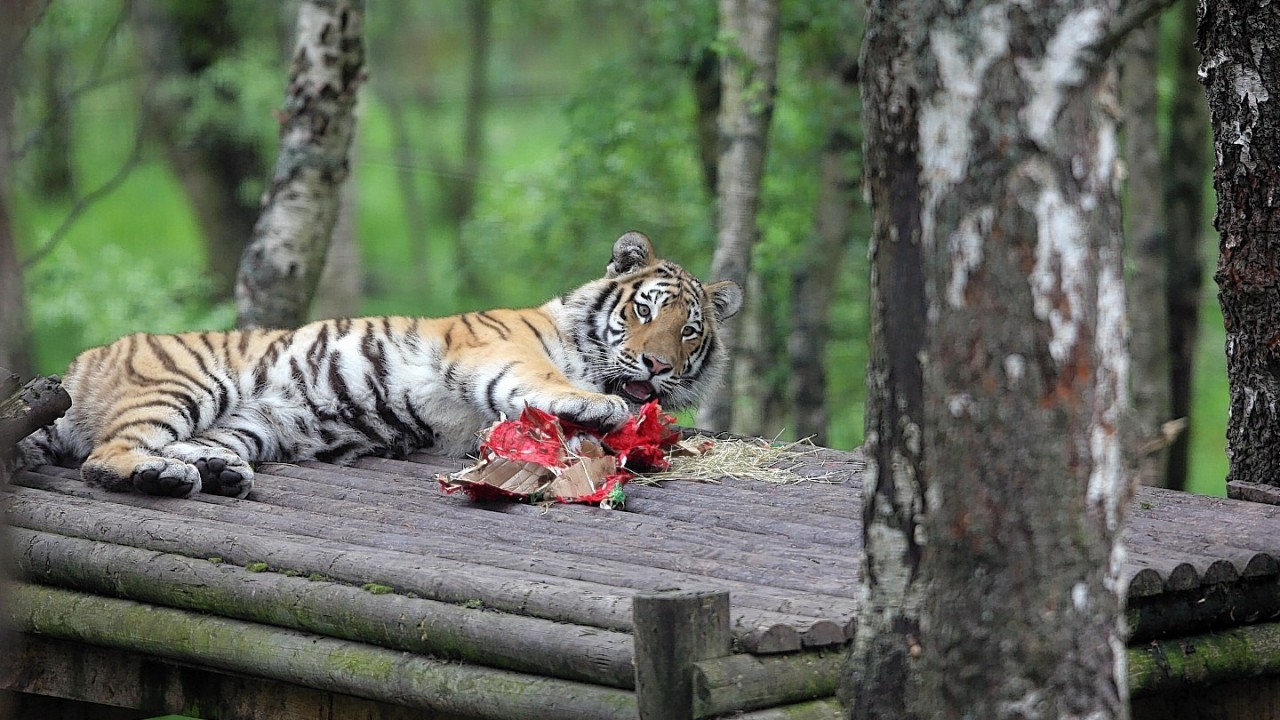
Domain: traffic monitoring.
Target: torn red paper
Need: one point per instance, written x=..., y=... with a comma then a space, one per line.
x=540, y=457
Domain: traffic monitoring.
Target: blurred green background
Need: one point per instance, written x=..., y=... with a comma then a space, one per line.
x=587, y=130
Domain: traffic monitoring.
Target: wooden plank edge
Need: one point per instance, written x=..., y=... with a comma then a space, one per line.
x=313, y=661
x=371, y=615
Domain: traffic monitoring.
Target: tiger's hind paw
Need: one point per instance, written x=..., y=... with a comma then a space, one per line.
x=225, y=476
x=166, y=477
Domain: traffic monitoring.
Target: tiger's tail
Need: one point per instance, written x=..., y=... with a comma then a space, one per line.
x=42, y=447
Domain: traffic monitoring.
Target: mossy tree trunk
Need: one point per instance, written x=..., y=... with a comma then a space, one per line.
x=280, y=268
x=996, y=479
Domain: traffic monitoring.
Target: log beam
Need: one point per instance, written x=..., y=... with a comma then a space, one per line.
x=673, y=630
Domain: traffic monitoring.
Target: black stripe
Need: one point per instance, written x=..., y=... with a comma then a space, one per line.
x=497, y=326
x=491, y=388
x=258, y=442
x=118, y=431
x=426, y=432
x=340, y=452
x=546, y=347
x=355, y=419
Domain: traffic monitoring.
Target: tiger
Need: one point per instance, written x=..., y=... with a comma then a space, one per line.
x=174, y=415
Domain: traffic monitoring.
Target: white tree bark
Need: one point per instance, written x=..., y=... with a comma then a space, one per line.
x=997, y=387
x=280, y=268
x=749, y=29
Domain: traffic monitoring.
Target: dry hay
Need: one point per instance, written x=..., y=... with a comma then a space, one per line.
x=742, y=458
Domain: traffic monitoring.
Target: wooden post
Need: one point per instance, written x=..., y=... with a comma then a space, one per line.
x=673, y=630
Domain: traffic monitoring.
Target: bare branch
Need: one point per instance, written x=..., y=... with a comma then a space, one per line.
x=86, y=201
x=1133, y=14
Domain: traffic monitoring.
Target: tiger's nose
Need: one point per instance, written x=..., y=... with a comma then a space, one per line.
x=655, y=363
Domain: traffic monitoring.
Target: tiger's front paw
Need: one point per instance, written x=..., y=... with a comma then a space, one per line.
x=228, y=476
x=166, y=477
x=599, y=412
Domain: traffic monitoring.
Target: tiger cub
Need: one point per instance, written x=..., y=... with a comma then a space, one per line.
x=179, y=414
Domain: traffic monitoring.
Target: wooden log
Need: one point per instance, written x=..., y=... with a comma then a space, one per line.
x=1253, y=492
x=673, y=630
x=755, y=565
x=213, y=526
x=383, y=475
x=450, y=581
x=807, y=503
x=848, y=537
x=1201, y=660
x=363, y=525
x=1141, y=581
x=743, y=682
x=29, y=408
x=394, y=621
x=62, y=678
x=1208, y=607
x=310, y=660
x=816, y=710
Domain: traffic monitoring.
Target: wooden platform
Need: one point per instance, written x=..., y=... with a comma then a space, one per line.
x=366, y=584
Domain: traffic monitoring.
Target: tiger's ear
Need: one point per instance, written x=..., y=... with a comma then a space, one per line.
x=631, y=252
x=726, y=296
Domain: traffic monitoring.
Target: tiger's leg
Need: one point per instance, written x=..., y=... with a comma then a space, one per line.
x=125, y=461
x=538, y=384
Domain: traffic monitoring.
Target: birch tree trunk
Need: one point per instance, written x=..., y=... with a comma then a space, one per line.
x=996, y=477
x=280, y=268
x=1187, y=159
x=1242, y=81
x=748, y=74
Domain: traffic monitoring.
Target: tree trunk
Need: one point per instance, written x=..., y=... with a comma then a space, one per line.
x=814, y=279
x=1146, y=252
x=1239, y=41
x=279, y=270
x=52, y=166
x=707, y=91
x=1187, y=161
x=211, y=162
x=998, y=373
x=16, y=21
x=748, y=74
x=338, y=292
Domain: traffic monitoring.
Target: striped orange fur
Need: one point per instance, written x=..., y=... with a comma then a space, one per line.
x=178, y=414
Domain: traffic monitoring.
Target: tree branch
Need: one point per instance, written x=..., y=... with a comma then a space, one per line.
x=1133, y=14
x=84, y=202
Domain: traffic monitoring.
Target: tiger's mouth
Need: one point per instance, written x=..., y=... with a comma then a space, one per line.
x=639, y=391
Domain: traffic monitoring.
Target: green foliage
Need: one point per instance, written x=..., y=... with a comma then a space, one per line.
x=92, y=296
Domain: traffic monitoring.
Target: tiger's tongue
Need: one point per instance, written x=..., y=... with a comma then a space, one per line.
x=638, y=390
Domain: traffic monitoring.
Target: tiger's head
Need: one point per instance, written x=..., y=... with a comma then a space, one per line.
x=651, y=327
